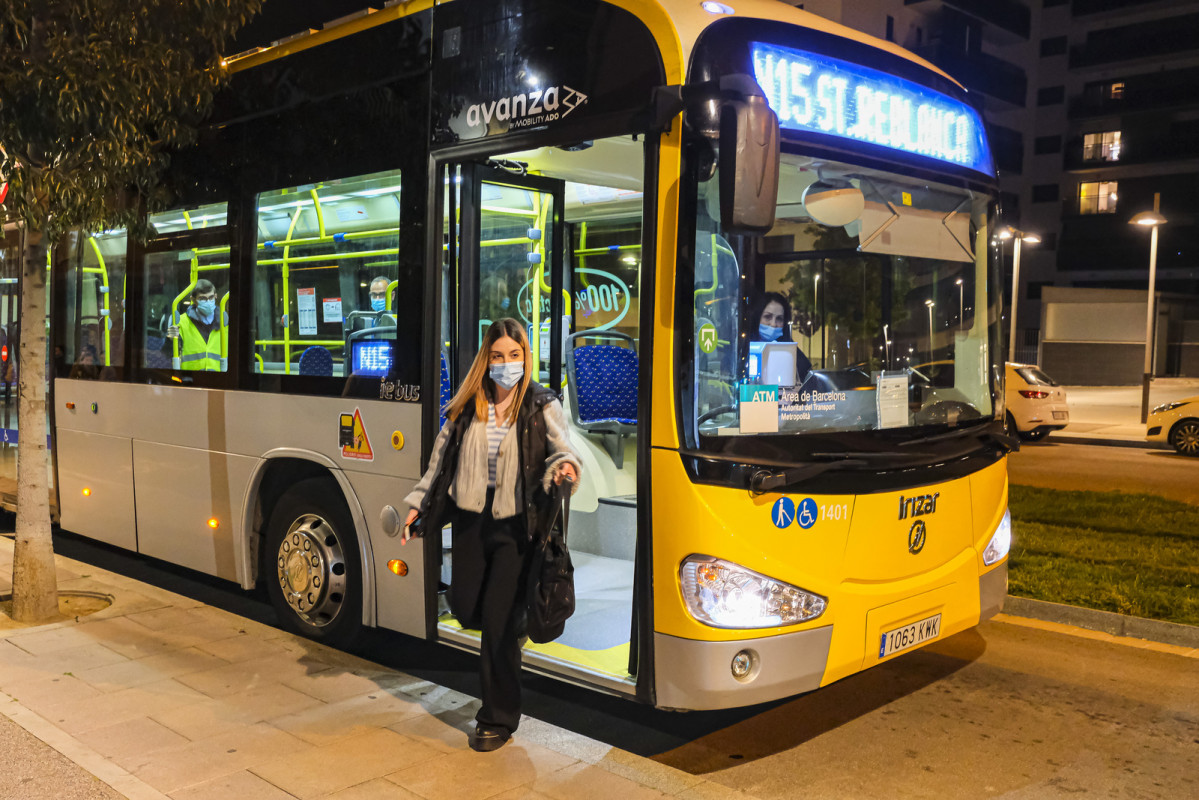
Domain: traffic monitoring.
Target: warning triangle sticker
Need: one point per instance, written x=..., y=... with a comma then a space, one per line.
x=355, y=443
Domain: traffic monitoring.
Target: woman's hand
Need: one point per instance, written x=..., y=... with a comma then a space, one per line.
x=566, y=470
x=405, y=536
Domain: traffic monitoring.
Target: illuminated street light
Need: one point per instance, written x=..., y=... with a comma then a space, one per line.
x=1152, y=220
x=930, y=305
x=1020, y=237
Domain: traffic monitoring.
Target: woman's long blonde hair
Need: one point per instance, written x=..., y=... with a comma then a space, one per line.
x=477, y=386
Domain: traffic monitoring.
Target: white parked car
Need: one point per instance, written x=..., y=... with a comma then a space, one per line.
x=1035, y=403
x=1176, y=423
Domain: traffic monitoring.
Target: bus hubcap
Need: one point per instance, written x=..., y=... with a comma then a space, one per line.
x=312, y=570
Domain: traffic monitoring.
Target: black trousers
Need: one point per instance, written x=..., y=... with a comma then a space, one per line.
x=487, y=593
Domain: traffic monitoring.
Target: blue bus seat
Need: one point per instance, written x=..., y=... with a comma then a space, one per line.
x=602, y=381
x=316, y=360
x=446, y=393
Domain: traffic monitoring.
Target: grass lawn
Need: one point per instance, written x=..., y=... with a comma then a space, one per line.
x=1135, y=554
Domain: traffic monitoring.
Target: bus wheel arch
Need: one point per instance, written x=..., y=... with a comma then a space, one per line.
x=277, y=475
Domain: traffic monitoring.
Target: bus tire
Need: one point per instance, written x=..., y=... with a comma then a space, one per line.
x=311, y=564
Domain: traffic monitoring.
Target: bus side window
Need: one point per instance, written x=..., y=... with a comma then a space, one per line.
x=325, y=277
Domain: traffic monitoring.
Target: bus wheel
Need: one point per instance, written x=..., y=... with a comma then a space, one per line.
x=311, y=563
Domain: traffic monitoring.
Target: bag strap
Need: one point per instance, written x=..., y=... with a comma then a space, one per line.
x=563, y=492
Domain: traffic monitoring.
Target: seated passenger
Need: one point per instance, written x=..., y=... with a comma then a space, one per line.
x=769, y=320
x=378, y=295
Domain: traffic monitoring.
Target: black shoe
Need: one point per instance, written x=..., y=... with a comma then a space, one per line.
x=485, y=738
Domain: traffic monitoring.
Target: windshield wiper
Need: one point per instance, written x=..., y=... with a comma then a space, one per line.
x=1008, y=443
x=764, y=481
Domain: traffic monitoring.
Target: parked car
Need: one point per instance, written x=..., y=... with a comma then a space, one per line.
x=1176, y=423
x=1036, y=405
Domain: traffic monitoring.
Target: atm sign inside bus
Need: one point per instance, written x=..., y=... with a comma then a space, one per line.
x=825, y=95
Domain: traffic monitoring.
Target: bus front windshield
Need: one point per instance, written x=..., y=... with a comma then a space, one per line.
x=866, y=307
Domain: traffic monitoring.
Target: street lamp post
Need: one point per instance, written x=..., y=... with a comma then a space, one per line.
x=961, y=304
x=930, y=304
x=1152, y=220
x=1019, y=237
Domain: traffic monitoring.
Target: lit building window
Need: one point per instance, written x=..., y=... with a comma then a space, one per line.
x=1116, y=90
x=1097, y=197
x=1103, y=146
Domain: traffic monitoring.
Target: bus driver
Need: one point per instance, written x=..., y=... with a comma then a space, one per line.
x=199, y=331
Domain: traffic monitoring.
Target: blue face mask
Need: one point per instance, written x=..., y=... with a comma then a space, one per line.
x=505, y=303
x=206, y=308
x=769, y=333
x=378, y=304
x=507, y=375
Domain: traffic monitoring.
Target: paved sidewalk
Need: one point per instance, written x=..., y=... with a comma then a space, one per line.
x=161, y=696
x=1112, y=414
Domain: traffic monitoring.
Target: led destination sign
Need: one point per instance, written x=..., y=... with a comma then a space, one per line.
x=826, y=95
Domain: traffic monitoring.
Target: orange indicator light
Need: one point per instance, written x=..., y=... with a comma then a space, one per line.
x=398, y=567
x=214, y=523
x=87, y=492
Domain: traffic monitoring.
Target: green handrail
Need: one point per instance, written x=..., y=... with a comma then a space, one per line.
x=320, y=215
x=287, y=295
x=176, y=363
x=102, y=270
x=224, y=334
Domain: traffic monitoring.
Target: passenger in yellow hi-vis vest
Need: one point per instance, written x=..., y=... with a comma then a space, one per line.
x=199, y=331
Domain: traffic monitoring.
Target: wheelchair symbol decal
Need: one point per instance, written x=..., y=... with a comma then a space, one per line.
x=807, y=513
x=784, y=512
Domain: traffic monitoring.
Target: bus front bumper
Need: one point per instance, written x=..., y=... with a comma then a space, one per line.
x=698, y=675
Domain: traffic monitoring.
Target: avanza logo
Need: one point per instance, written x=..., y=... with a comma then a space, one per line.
x=521, y=110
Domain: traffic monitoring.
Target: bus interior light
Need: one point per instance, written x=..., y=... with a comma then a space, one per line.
x=727, y=595
x=1001, y=540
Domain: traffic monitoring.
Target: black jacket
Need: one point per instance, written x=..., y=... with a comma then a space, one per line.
x=437, y=508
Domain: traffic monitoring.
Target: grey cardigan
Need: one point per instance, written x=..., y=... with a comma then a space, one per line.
x=468, y=489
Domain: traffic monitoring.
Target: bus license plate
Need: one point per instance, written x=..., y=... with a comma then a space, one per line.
x=909, y=635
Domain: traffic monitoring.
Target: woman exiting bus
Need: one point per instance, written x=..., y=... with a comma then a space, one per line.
x=504, y=440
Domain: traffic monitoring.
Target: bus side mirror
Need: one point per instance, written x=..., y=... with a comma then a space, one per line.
x=749, y=164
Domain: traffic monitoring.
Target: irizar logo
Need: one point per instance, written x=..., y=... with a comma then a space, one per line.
x=522, y=110
x=917, y=506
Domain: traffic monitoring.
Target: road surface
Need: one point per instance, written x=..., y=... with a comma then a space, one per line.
x=1102, y=468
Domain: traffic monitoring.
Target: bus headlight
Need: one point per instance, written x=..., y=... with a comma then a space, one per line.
x=727, y=595
x=1001, y=540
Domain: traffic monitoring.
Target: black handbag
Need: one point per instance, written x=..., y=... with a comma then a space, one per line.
x=551, y=586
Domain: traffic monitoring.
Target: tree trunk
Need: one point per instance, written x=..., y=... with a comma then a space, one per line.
x=34, y=582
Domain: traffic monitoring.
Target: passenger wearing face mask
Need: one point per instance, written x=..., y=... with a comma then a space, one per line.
x=769, y=320
x=378, y=293
x=198, y=331
x=505, y=439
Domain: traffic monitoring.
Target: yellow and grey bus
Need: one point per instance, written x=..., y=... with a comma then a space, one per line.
x=750, y=249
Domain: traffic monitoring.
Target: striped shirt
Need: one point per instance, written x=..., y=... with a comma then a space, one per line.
x=496, y=431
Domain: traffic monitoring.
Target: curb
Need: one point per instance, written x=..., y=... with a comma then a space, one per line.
x=1153, y=630
x=1102, y=442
